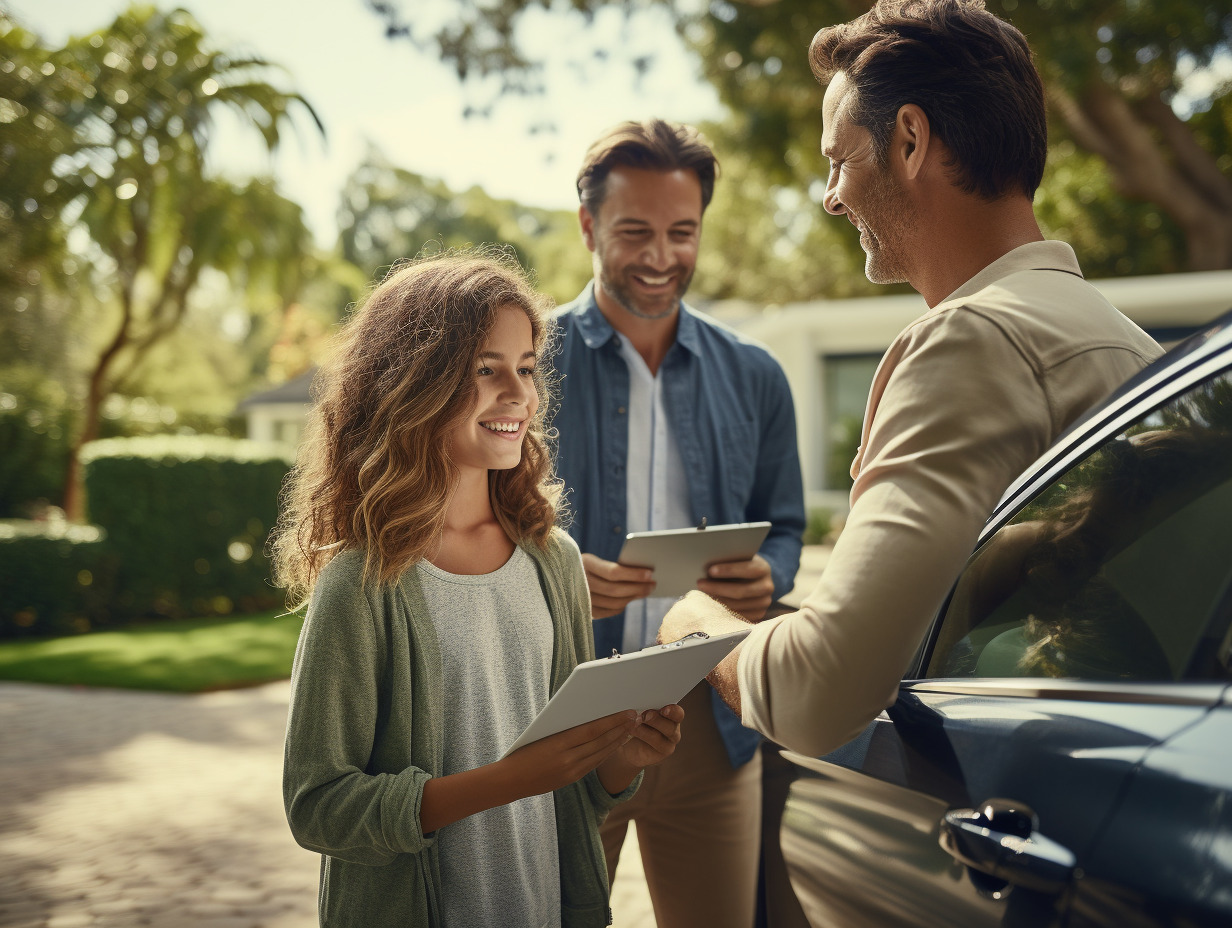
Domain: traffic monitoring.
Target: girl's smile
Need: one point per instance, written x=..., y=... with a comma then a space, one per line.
x=507, y=427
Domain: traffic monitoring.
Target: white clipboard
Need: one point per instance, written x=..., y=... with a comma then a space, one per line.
x=651, y=678
x=680, y=556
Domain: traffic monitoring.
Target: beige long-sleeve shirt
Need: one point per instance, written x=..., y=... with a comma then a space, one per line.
x=965, y=399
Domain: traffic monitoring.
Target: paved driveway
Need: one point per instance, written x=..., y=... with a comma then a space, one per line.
x=125, y=808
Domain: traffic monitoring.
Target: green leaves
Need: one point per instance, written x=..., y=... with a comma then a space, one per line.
x=109, y=138
x=389, y=214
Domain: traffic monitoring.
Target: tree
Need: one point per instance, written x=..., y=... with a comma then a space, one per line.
x=133, y=112
x=389, y=213
x=1113, y=70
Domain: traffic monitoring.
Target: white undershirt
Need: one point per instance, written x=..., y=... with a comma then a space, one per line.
x=657, y=494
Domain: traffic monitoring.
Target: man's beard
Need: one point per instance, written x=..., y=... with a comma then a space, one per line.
x=887, y=215
x=614, y=287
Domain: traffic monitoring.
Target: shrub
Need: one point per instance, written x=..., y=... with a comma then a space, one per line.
x=186, y=518
x=35, y=423
x=55, y=578
x=817, y=529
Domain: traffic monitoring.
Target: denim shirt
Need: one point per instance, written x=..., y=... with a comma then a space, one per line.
x=731, y=412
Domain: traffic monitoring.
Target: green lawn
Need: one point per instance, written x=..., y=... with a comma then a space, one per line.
x=186, y=656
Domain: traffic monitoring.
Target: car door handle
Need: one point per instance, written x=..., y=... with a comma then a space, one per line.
x=1001, y=838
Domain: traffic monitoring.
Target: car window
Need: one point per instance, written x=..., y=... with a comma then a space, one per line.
x=1119, y=570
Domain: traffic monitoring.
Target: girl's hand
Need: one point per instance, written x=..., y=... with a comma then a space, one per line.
x=653, y=742
x=548, y=764
x=655, y=739
x=566, y=757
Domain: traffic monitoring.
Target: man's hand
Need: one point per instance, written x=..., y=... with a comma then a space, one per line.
x=697, y=612
x=613, y=586
x=745, y=587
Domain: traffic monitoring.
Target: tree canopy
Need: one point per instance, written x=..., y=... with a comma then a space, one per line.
x=111, y=133
x=1119, y=74
x=389, y=213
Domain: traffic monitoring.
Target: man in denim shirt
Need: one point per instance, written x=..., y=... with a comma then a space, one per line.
x=667, y=417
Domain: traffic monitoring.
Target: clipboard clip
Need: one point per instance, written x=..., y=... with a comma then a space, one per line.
x=615, y=655
x=679, y=642
x=702, y=524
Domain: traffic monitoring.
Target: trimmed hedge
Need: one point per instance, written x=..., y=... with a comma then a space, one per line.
x=55, y=578
x=186, y=519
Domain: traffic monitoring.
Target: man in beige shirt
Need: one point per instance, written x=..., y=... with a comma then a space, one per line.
x=933, y=122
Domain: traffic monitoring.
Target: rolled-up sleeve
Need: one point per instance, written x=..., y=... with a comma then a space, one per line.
x=955, y=413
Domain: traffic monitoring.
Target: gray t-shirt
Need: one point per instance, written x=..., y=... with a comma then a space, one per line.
x=499, y=867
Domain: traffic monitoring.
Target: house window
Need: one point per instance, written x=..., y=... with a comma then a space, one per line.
x=847, y=379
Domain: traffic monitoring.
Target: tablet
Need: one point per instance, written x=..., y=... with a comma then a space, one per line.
x=651, y=678
x=680, y=556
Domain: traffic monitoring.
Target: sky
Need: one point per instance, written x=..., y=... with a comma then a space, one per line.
x=370, y=90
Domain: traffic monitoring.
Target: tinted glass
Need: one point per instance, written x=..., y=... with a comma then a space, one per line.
x=1118, y=571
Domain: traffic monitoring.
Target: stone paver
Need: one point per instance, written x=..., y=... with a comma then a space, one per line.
x=127, y=809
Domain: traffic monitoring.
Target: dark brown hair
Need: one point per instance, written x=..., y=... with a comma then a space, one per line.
x=653, y=145
x=971, y=73
x=375, y=472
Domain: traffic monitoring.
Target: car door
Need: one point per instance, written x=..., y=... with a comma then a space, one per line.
x=1082, y=649
x=1170, y=841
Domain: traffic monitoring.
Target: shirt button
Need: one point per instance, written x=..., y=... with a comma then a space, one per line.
x=620, y=410
x=616, y=529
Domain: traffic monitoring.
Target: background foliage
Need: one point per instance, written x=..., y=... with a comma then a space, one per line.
x=389, y=213
x=57, y=579
x=179, y=529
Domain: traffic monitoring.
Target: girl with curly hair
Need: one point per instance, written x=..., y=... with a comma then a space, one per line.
x=444, y=608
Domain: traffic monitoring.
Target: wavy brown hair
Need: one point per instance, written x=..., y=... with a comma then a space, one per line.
x=374, y=472
x=653, y=145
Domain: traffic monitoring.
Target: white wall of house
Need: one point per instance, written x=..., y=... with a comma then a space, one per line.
x=276, y=422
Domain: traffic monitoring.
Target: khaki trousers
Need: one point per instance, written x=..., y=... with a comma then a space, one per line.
x=698, y=827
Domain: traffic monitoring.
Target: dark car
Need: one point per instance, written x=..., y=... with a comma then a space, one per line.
x=1060, y=752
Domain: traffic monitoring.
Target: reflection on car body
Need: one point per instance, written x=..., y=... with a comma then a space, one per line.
x=1061, y=752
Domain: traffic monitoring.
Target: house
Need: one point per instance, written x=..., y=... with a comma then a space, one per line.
x=278, y=414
